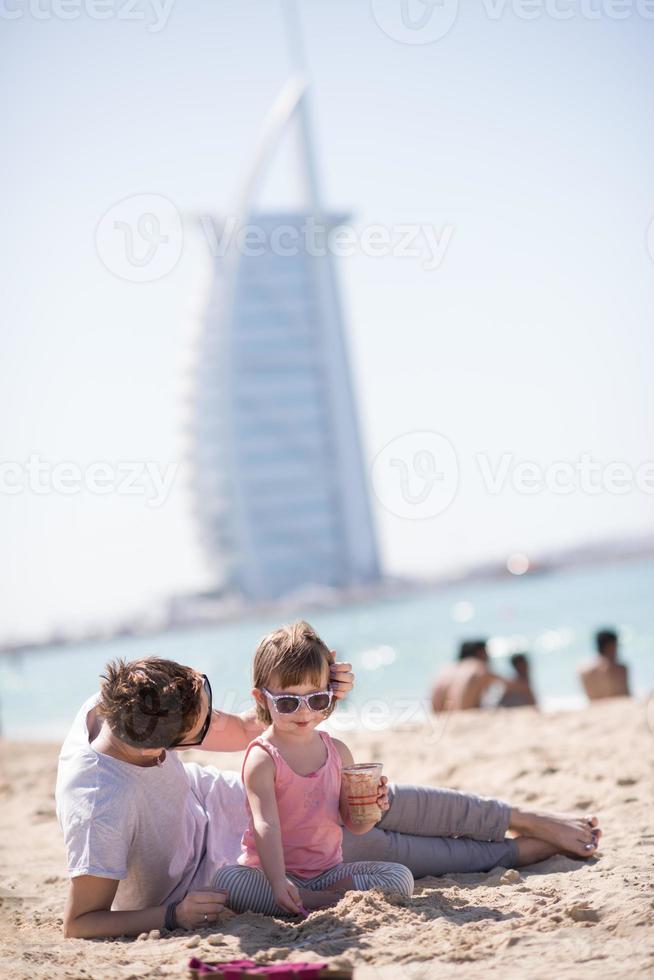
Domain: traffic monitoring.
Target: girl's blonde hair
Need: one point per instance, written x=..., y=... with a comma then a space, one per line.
x=293, y=654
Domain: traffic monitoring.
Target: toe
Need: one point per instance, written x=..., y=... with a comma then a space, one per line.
x=587, y=849
x=587, y=835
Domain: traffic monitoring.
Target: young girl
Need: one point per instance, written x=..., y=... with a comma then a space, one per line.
x=291, y=858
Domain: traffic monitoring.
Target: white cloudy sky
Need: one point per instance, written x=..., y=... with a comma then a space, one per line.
x=530, y=140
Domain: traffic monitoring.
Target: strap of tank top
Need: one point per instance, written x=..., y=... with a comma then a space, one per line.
x=266, y=746
x=333, y=755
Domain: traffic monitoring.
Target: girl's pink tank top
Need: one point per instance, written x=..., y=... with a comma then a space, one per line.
x=312, y=834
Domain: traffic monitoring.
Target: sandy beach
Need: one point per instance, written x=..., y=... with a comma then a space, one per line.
x=564, y=917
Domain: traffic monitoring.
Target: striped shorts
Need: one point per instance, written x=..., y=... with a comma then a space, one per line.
x=249, y=890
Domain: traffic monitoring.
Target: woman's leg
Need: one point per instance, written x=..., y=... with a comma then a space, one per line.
x=365, y=875
x=432, y=812
x=416, y=828
x=425, y=855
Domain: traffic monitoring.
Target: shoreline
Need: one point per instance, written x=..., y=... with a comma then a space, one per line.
x=324, y=599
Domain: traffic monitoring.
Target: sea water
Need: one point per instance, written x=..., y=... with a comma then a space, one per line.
x=396, y=646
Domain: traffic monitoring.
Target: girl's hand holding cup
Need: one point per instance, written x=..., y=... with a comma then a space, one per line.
x=382, y=795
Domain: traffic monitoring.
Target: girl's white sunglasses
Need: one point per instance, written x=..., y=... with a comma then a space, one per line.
x=286, y=704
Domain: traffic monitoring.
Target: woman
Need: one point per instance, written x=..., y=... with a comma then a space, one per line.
x=146, y=833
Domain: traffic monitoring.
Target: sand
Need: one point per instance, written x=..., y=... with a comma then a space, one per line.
x=563, y=918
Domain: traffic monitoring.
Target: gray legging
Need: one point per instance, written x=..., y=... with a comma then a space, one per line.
x=437, y=831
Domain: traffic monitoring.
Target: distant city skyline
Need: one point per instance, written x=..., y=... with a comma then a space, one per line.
x=513, y=329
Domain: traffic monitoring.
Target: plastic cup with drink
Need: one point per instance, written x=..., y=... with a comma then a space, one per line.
x=361, y=782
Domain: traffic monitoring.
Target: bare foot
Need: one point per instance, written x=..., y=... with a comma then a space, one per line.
x=590, y=820
x=325, y=899
x=344, y=885
x=531, y=850
x=574, y=835
x=318, y=900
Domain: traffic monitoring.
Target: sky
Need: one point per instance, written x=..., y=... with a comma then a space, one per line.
x=512, y=348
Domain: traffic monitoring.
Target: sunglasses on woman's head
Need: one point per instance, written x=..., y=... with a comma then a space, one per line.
x=286, y=704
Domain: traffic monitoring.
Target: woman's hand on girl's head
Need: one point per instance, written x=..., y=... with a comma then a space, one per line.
x=287, y=896
x=382, y=795
x=341, y=677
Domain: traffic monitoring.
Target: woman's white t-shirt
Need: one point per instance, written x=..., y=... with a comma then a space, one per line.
x=161, y=831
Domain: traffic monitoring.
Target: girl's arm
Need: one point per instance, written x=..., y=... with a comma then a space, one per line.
x=259, y=778
x=382, y=794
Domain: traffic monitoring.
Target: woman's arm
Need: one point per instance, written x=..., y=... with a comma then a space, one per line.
x=88, y=914
x=343, y=805
x=259, y=778
x=232, y=733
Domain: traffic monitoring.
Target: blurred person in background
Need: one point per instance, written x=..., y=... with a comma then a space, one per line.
x=463, y=685
x=520, y=693
x=605, y=676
